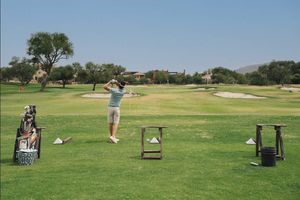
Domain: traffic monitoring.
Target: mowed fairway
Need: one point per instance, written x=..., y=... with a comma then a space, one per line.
x=205, y=155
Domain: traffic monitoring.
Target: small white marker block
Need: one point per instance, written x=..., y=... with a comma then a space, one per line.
x=154, y=141
x=250, y=141
x=58, y=141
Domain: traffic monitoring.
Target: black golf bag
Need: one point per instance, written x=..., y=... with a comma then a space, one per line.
x=28, y=138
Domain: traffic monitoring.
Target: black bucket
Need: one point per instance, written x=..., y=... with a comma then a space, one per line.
x=268, y=156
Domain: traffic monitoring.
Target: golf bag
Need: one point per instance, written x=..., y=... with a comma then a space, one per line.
x=28, y=138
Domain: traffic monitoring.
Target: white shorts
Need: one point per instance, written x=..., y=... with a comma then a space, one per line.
x=113, y=115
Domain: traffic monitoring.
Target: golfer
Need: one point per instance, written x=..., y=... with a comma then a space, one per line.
x=114, y=107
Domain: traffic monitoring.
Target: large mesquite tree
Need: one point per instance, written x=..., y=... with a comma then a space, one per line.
x=47, y=49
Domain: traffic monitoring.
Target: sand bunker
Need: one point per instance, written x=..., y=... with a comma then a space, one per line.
x=291, y=89
x=237, y=95
x=107, y=95
x=203, y=89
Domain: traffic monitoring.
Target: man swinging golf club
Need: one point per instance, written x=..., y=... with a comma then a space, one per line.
x=114, y=107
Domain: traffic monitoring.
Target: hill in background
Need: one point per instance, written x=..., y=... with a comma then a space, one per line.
x=249, y=68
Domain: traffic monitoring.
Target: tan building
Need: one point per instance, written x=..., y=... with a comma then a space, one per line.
x=135, y=74
x=138, y=75
x=38, y=74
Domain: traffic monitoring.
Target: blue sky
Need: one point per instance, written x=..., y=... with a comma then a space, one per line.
x=159, y=34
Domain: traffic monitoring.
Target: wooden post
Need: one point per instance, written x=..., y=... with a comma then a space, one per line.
x=279, y=143
x=258, y=139
x=40, y=143
x=161, y=143
x=66, y=140
x=277, y=129
x=281, y=146
x=142, y=143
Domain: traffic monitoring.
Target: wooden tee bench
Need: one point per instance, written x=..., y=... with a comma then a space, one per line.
x=160, y=151
x=278, y=143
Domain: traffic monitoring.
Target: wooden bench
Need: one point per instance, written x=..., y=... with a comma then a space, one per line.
x=278, y=143
x=160, y=151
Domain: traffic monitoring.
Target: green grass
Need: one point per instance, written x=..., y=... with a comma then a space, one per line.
x=205, y=155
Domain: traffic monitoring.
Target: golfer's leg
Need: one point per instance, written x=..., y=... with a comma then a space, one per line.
x=110, y=129
x=116, y=121
x=114, y=129
x=110, y=121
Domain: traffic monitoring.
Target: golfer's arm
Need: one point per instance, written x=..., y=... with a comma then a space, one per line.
x=106, y=86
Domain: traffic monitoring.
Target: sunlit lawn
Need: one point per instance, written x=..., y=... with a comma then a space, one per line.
x=205, y=155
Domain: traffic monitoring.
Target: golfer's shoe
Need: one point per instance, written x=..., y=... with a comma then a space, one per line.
x=113, y=139
x=117, y=139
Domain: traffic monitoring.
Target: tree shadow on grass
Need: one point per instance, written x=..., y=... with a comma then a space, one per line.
x=7, y=161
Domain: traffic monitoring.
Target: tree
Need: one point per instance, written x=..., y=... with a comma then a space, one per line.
x=256, y=78
x=157, y=76
x=218, y=78
x=63, y=74
x=144, y=80
x=197, y=78
x=160, y=77
x=82, y=76
x=94, y=72
x=295, y=71
x=6, y=74
x=47, y=49
x=295, y=78
x=23, y=70
x=240, y=78
x=224, y=75
x=128, y=79
x=179, y=79
x=188, y=79
x=172, y=78
x=76, y=68
x=110, y=71
x=277, y=72
x=150, y=75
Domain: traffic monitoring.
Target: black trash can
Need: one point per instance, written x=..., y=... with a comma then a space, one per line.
x=268, y=156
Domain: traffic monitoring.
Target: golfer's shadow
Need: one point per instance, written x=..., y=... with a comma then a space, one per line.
x=97, y=141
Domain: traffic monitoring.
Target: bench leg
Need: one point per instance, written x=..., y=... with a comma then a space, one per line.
x=142, y=142
x=281, y=147
x=258, y=139
x=161, y=143
x=277, y=139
